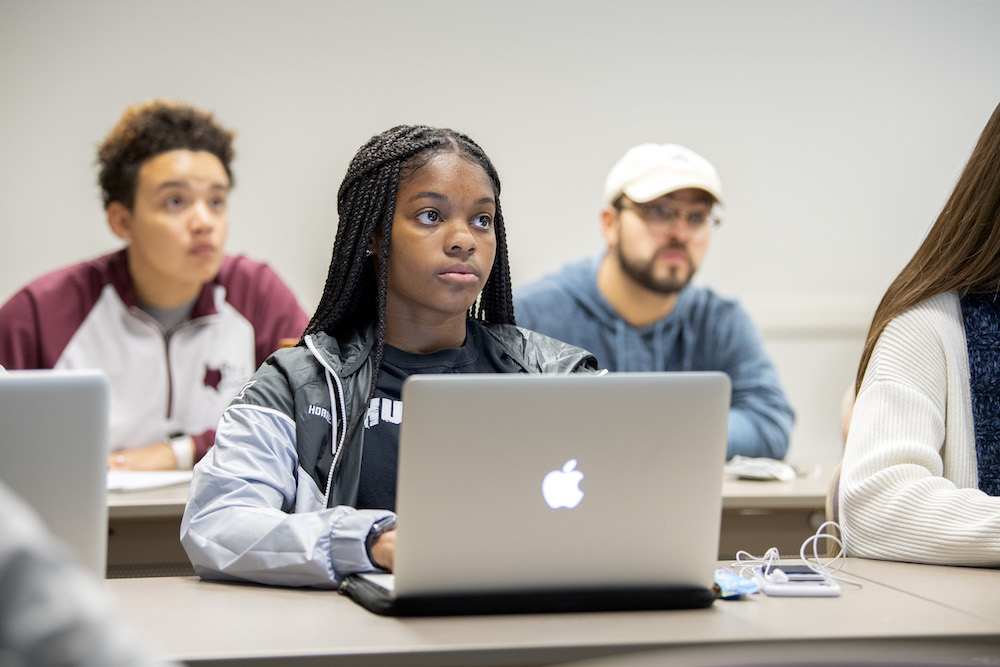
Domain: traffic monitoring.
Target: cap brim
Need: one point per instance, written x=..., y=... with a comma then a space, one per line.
x=649, y=189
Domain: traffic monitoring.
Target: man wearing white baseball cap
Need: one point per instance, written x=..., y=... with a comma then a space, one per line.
x=634, y=306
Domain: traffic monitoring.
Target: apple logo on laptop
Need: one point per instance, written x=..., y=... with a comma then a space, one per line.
x=561, y=488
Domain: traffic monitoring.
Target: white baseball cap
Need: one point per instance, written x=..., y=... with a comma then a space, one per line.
x=648, y=171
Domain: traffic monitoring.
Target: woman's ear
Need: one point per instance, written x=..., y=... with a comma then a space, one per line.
x=120, y=220
x=374, y=246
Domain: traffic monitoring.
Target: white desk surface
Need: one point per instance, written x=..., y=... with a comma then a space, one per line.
x=204, y=621
x=806, y=492
x=973, y=590
x=167, y=501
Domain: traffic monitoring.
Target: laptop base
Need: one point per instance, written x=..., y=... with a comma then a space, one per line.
x=377, y=599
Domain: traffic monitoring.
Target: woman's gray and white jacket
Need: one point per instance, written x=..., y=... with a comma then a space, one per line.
x=273, y=500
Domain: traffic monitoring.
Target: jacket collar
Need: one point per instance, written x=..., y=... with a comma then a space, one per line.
x=531, y=351
x=346, y=355
x=122, y=281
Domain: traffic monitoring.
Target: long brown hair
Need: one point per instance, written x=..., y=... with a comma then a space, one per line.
x=961, y=251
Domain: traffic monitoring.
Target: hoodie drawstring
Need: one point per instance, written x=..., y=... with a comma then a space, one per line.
x=620, y=344
x=658, y=352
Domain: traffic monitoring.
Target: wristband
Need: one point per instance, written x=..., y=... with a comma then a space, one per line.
x=183, y=446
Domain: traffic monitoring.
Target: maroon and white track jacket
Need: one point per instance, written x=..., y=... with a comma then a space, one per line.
x=87, y=316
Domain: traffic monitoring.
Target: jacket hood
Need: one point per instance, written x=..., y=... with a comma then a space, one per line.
x=579, y=280
x=343, y=356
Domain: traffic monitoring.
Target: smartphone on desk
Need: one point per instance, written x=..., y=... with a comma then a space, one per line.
x=798, y=581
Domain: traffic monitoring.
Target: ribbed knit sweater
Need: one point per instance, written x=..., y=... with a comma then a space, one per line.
x=909, y=488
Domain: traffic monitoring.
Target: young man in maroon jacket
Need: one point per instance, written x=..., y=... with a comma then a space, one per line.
x=177, y=325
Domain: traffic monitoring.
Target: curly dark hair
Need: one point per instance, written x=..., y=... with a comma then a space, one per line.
x=144, y=131
x=354, y=297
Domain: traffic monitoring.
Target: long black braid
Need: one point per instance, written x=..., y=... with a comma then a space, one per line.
x=354, y=296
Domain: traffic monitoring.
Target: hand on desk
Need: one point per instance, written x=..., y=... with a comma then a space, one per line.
x=384, y=550
x=152, y=457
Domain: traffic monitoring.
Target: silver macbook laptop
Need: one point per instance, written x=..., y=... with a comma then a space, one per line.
x=592, y=490
x=54, y=454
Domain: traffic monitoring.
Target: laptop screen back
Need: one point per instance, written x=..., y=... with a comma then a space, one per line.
x=54, y=452
x=528, y=482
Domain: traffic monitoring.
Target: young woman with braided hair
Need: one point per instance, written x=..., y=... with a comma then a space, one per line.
x=300, y=487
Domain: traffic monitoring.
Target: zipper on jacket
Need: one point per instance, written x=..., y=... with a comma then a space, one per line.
x=181, y=329
x=141, y=315
x=337, y=441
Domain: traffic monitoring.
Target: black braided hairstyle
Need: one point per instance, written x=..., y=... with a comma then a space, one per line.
x=354, y=296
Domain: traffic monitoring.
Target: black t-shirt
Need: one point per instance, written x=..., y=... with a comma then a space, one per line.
x=385, y=411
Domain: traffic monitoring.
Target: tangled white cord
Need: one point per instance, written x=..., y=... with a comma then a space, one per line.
x=816, y=562
x=746, y=564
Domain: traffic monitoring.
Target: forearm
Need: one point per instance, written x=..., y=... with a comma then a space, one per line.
x=176, y=453
x=316, y=549
x=253, y=515
x=157, y=456
x=761, y=430
x=760, y=417
x=906, y=513
x=896, y=502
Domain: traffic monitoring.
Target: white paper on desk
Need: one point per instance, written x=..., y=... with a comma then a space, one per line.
x=134, y=480
x=760, y=468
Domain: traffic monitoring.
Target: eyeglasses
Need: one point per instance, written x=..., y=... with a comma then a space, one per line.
x=661, y=216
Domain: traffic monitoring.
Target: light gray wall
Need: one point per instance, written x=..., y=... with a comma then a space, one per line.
x=838, y=128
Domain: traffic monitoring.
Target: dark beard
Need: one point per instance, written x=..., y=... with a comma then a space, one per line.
x=642, y=273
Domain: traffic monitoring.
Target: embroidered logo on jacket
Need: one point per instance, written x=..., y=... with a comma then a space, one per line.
x=320, y=411
x=213, y=376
